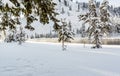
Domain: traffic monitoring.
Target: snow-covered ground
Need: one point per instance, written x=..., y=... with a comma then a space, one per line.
x=47, y=59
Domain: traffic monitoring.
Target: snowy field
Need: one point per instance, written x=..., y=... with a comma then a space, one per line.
x=47, y=59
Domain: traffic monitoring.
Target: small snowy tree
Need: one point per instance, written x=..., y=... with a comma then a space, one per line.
x=70, y=25
x=63, y=11
x=65, y=35
x=70, y=8
x=20, y=37
x=59, y=0
x=65, y=3
x=78, y=7
x=82, y=31
x=10, y=36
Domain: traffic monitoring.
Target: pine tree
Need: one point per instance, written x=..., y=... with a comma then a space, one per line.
x=32, y=9
x=82, y=31
x=65, y=3
x=10, y=37
x=97, y=4
x=94, y=22
x=1, y=5
x=20, y=36
x=99, y=24
x=92, y=18
x=105, y=18
x=59, y=0
x=70, y=26
x=29, y=6
x=9, y=18
x=44, y=9
x=63, y=11
x=70, y=8
x=65, y=35
x=78, y=7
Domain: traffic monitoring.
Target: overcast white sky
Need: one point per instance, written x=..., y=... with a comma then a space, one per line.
x=111, y=2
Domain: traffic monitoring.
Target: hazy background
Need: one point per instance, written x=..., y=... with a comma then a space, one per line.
x=115, y=3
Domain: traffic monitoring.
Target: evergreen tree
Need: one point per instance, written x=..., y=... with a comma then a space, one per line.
x=59, y=0
x=68, y=13
x=94, y=22
x=63, y=11
x=20, y=35
x=97, y=4
x=83, y=6
x=65, y=3
x=32, y=36
x=82, y=31
x=70, y=26
x=105, y=17
x=44, y=9
x=78, y=31
x=99, y=24
x=10, y=37
x=9, y=17
x=78, y=7
x=70, y=8
x=92, y=19
x=65, y=35
x=32, y=9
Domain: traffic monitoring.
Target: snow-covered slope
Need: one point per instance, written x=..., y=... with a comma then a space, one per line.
x=64, y=13
x=48, y=59
x=68, y=10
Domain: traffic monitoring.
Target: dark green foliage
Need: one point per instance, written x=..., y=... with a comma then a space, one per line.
x=30, y=20
x=15, y=2
x=10, y=16
x=56, y=26
x=42, y=10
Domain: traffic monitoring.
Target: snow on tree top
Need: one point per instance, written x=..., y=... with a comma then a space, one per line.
x=10, y=4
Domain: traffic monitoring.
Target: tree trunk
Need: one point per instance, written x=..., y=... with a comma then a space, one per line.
x=63, y=46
